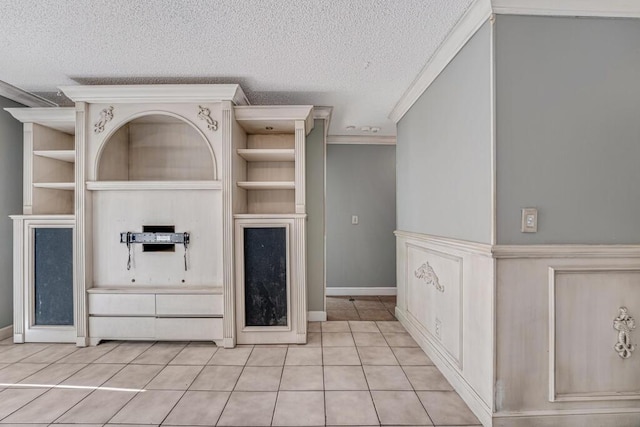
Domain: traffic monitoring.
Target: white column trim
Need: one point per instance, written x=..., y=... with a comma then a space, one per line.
x=27, y=172
x=300, y=178
x=229, y=323
x=83, y=235
x=18, y=280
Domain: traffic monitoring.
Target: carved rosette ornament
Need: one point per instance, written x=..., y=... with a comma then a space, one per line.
x=426, y=273
x=106, y=116
x=205, y=114
x=624, y=324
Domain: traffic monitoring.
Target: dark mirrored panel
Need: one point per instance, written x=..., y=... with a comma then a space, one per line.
x=53, y=276
x=265, y=276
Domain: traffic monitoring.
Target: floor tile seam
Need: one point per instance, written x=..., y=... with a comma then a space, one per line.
x=138, y=393
x=22, y=406
x=32, y=354
x=425, y=408
x=91, y=393
x=233, y=389
x=33, y=373
x=62, y=380
x=173, y=407
x=273, y=412
x=369, y=389
x=197, y=364
x=63, y=357
x=190, y=384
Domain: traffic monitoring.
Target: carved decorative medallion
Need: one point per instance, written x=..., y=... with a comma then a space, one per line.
x=624, y=324
x=205, y=114
x=425, y=272
x=106, y=116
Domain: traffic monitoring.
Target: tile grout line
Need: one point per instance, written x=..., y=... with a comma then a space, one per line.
x=273, y=413
x=147, y=383
x=87, y=396
x=234, y=385
x=184, y=392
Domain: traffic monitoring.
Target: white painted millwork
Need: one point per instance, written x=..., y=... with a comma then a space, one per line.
x=187, y=156
x=526, y=333
x=25, y=328
x=271, y=150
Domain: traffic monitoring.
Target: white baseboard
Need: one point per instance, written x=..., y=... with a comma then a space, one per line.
x=317, y=316
x=361, y=291
x=6, y=332
x=480, y=408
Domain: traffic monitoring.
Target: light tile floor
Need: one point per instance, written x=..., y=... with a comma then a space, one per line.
x=361, y=307
x=350, y=373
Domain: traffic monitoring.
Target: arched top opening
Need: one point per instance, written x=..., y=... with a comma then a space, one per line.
x=156, y=147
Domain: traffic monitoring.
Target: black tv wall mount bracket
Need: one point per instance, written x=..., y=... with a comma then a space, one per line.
x=155, y=238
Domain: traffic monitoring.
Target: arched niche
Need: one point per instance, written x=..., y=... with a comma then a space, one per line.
x=156, y=147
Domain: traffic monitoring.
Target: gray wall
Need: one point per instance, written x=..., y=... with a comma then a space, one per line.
x=568, y=129
x=10, y=202
x=444, y=150
x=361, y=181
x=314, y=163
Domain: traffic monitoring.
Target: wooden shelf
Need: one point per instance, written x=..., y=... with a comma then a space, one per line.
x=267, y=155
x=267, y=185
x=153, y=185
x=64, y=155
x=56, y=185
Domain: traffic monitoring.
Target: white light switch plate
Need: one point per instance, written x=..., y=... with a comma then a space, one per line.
x=529, y=220
x=354, y=219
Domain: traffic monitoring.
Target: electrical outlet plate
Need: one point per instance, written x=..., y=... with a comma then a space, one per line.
x=529, y=220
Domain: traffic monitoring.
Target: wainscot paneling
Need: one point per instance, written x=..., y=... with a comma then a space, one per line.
x=445, y=300
x=564, y=345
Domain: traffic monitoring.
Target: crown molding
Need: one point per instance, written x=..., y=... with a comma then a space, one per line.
x=596, y=8
x=23, y=97
x=323, y=113
x=467, y=26
x=60, y=118
x=361, y=139
x=156, y=93
x=280, y=117
x=482, y=10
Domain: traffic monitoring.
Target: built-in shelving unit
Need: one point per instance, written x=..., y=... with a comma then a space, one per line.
x=267, y=185
x=270, y=217
x=64, y=155
x=267, y=155
x=67, y=186
x=49, y=159
x=190, y=160
x=43, y=283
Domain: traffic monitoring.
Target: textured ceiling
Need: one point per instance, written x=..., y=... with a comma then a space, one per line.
x=358, y=56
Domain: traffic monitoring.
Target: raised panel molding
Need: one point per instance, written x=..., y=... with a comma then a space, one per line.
x=604, y=343
x=439, y=314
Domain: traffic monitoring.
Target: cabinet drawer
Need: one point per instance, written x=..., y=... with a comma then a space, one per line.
x=189, y=305
x=122, y=327
x=119, y=304
x=189, y=329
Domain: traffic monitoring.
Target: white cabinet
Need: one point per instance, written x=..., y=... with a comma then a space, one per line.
x=145, y=314
x=190, y=159
x=43, y=284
